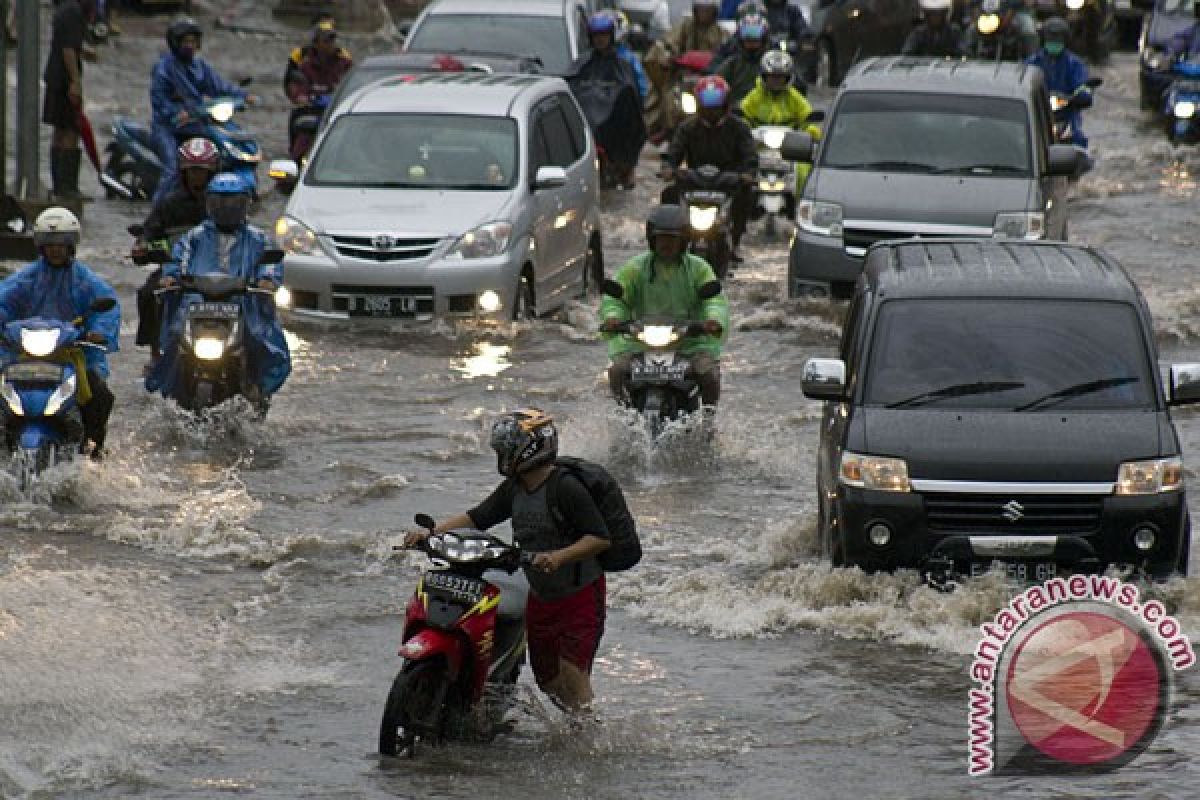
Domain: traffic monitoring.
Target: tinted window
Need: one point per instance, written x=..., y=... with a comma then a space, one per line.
x=1029, y=355
x=539, y=156
x=926, y=133
x=575, y=124
x=558, y=137
x=442, y=151
x=509, y=34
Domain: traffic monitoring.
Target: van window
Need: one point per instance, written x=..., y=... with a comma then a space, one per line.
x=558, y=136
x=575, y=123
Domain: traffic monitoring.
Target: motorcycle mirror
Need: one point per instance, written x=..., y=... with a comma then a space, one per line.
x=613, y=289
x=816, y=115
x=273, y=256
x=710, y=289
x=136, y=230
x=425, y=521
x=102, y=304
x=1094, y=83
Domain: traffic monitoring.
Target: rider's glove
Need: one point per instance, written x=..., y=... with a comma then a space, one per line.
x=612, y=325
x=712, y=327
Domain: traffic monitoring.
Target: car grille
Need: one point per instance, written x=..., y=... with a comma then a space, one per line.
x=1008, y=514
x=857, y=240
x=385, y=248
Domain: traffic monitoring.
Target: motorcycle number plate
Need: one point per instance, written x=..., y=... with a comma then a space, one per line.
x=460, y=587
x=664, y=372
x=34, y=372
x=215, y=310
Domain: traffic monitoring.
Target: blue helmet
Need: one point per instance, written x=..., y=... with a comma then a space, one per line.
x=752, y=27
x=602, y=22
x=228, y=183
x=227, y=200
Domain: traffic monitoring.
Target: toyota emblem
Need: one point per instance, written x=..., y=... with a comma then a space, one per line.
x=1012, y=511
x=383, y=242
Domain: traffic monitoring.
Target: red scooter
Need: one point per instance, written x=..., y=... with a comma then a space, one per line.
x=463, y=646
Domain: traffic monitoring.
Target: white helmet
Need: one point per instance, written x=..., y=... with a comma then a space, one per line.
x=57, y=225
x=937, y=5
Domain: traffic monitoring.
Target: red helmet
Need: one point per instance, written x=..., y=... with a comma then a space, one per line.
x=199, y=153
x=712, y=92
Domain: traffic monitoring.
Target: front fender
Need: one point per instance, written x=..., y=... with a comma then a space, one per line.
x=38, y=433
x=431, y=643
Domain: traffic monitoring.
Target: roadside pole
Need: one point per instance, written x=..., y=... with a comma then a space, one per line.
x=29, y=85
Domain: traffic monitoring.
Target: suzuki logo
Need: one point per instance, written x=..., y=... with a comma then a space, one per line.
x=383, y=242
x=1012, y=511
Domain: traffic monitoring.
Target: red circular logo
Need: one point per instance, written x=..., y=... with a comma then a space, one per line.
x=1085, y=688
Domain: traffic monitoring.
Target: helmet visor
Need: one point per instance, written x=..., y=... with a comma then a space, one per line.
x=228, y=210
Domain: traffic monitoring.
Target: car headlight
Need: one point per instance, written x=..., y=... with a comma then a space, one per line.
x=774, y=138
x=294, y=236
x=208, y=348
x=882, y=473
x=1074, y=5
x=1185, y=109
x=688, y=103
x=39, y=343
x=222, y=111
x=1154, y=476
x=822, y=218
x=988, y=24
x=1020, y=225
x=12, y=398
x=64, y=392
x=489, y=302
x=702, y=218
x=657, y=335
x=485, y=241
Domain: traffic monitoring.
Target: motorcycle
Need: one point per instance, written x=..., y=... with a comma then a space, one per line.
x=661, y=387
x=44, y=426
x=1064, y=132
x=994, y=39
x=706, y=193
x=133, y=169
x=212, y=350
x=613, y=112
x=686, y=72
x=303, y=125
x=776, y=178
x=1093, y=25
x=1181, y=101
x=463, y=643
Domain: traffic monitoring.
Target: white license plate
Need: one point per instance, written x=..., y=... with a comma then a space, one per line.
x=665, y=372
x=378, y=305
x=1027, y=571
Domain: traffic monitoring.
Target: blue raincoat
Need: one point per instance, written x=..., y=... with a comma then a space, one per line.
x=626, y=54
x=1066, y=74
x=61, y=293
x=198, y=253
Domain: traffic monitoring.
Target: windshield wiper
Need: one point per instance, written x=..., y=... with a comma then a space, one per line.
x=972, y=168
x=957, y=390
x=1088, y=387
x=912, y=166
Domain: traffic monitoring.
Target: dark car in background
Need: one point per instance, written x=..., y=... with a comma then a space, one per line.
x=847, y=31
x=1168, y=18
x=999, y=401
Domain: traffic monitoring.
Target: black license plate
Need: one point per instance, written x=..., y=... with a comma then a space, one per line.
x=215, y=310
x=660, y=372
x=381, y=305
x=460, y=587
x=34, y=372
x=1026, y=571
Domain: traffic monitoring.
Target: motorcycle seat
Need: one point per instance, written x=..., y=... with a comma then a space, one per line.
x=513, y=592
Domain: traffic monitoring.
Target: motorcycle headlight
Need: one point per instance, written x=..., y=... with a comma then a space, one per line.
x=1154, y=58
x=208, y=348
x=822, y=218
x=39, y=343
x=1020, y=225
x=223, y=111
x=283, y=297
x=486, y=241
x=702, y=218
x=774, y=138
x=688, y=103
x=988, y=24
x=1074, y=5
x=657, y=335
x=1058, y=102
x=1155, y=476
x=1185, y=109
x=12, y=398
x=64, y=392
x=874, y=472
x=294, y=236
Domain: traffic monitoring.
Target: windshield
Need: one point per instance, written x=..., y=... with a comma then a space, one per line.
x=928, y=133
x=418, y=151
x=1017, y=355
x=508, y=34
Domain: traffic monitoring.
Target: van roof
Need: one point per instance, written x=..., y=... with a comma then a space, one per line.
x=943, y=76
x=994, y=268
x=475, y=93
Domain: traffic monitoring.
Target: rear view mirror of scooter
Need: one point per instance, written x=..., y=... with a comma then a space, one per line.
x=425, y=521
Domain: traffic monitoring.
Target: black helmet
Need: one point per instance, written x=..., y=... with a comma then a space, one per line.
x=1055, y=29
x=523, y=440
x=666, y=218
x=179, y=29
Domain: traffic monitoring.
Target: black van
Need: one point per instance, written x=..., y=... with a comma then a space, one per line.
x=999, y=401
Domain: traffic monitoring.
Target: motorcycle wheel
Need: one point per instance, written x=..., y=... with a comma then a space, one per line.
x=121, y=169
x=202, y=396
x=417, y=694
x=524, y=308
x=772, y=228
x=29, y=465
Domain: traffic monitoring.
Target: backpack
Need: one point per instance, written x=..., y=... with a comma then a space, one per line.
x=625, y=549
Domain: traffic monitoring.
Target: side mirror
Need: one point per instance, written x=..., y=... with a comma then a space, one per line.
x=797, y=146
x=425, y=521
x=816, y=115
x=136, y=230
x=1065, y=159
x=283, y=170
x=272, y=256
x=824, y=379
x=613, y=289
x=1185, y=384
x=710, y=289
x=549, y=178
x=102, y=304
x=244, y=82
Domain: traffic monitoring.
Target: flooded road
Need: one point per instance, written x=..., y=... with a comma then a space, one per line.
x=216, y=608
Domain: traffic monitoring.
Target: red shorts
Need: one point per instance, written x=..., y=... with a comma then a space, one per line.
x=568, y=628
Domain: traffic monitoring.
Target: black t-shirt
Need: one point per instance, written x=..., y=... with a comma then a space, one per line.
x=536, y=531
x=66, y=34
x=178, y=213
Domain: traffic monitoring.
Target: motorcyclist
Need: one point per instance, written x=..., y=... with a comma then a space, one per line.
x=59, y=287
x=937, y=36
x=1065, y=74
x=180, y=83
x=665, y=282
x=775, y=101
x=179, y=212
x=699, y=31
x=741, y=69
x=319, y=72
x=623, y=133
x=1016, y=34
x=227, y=243
x=322, y=20
x=627, y=54
x=1185, y=45
x=717, y=137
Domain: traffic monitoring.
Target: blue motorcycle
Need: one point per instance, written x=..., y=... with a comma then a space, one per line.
x=133, y=169
x=40, y=391
x=1181, y=102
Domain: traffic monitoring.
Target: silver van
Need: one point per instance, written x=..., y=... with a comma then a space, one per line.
x=926, y=148
x=444, y=194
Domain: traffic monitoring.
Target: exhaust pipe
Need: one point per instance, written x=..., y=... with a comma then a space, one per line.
x=109, y=182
